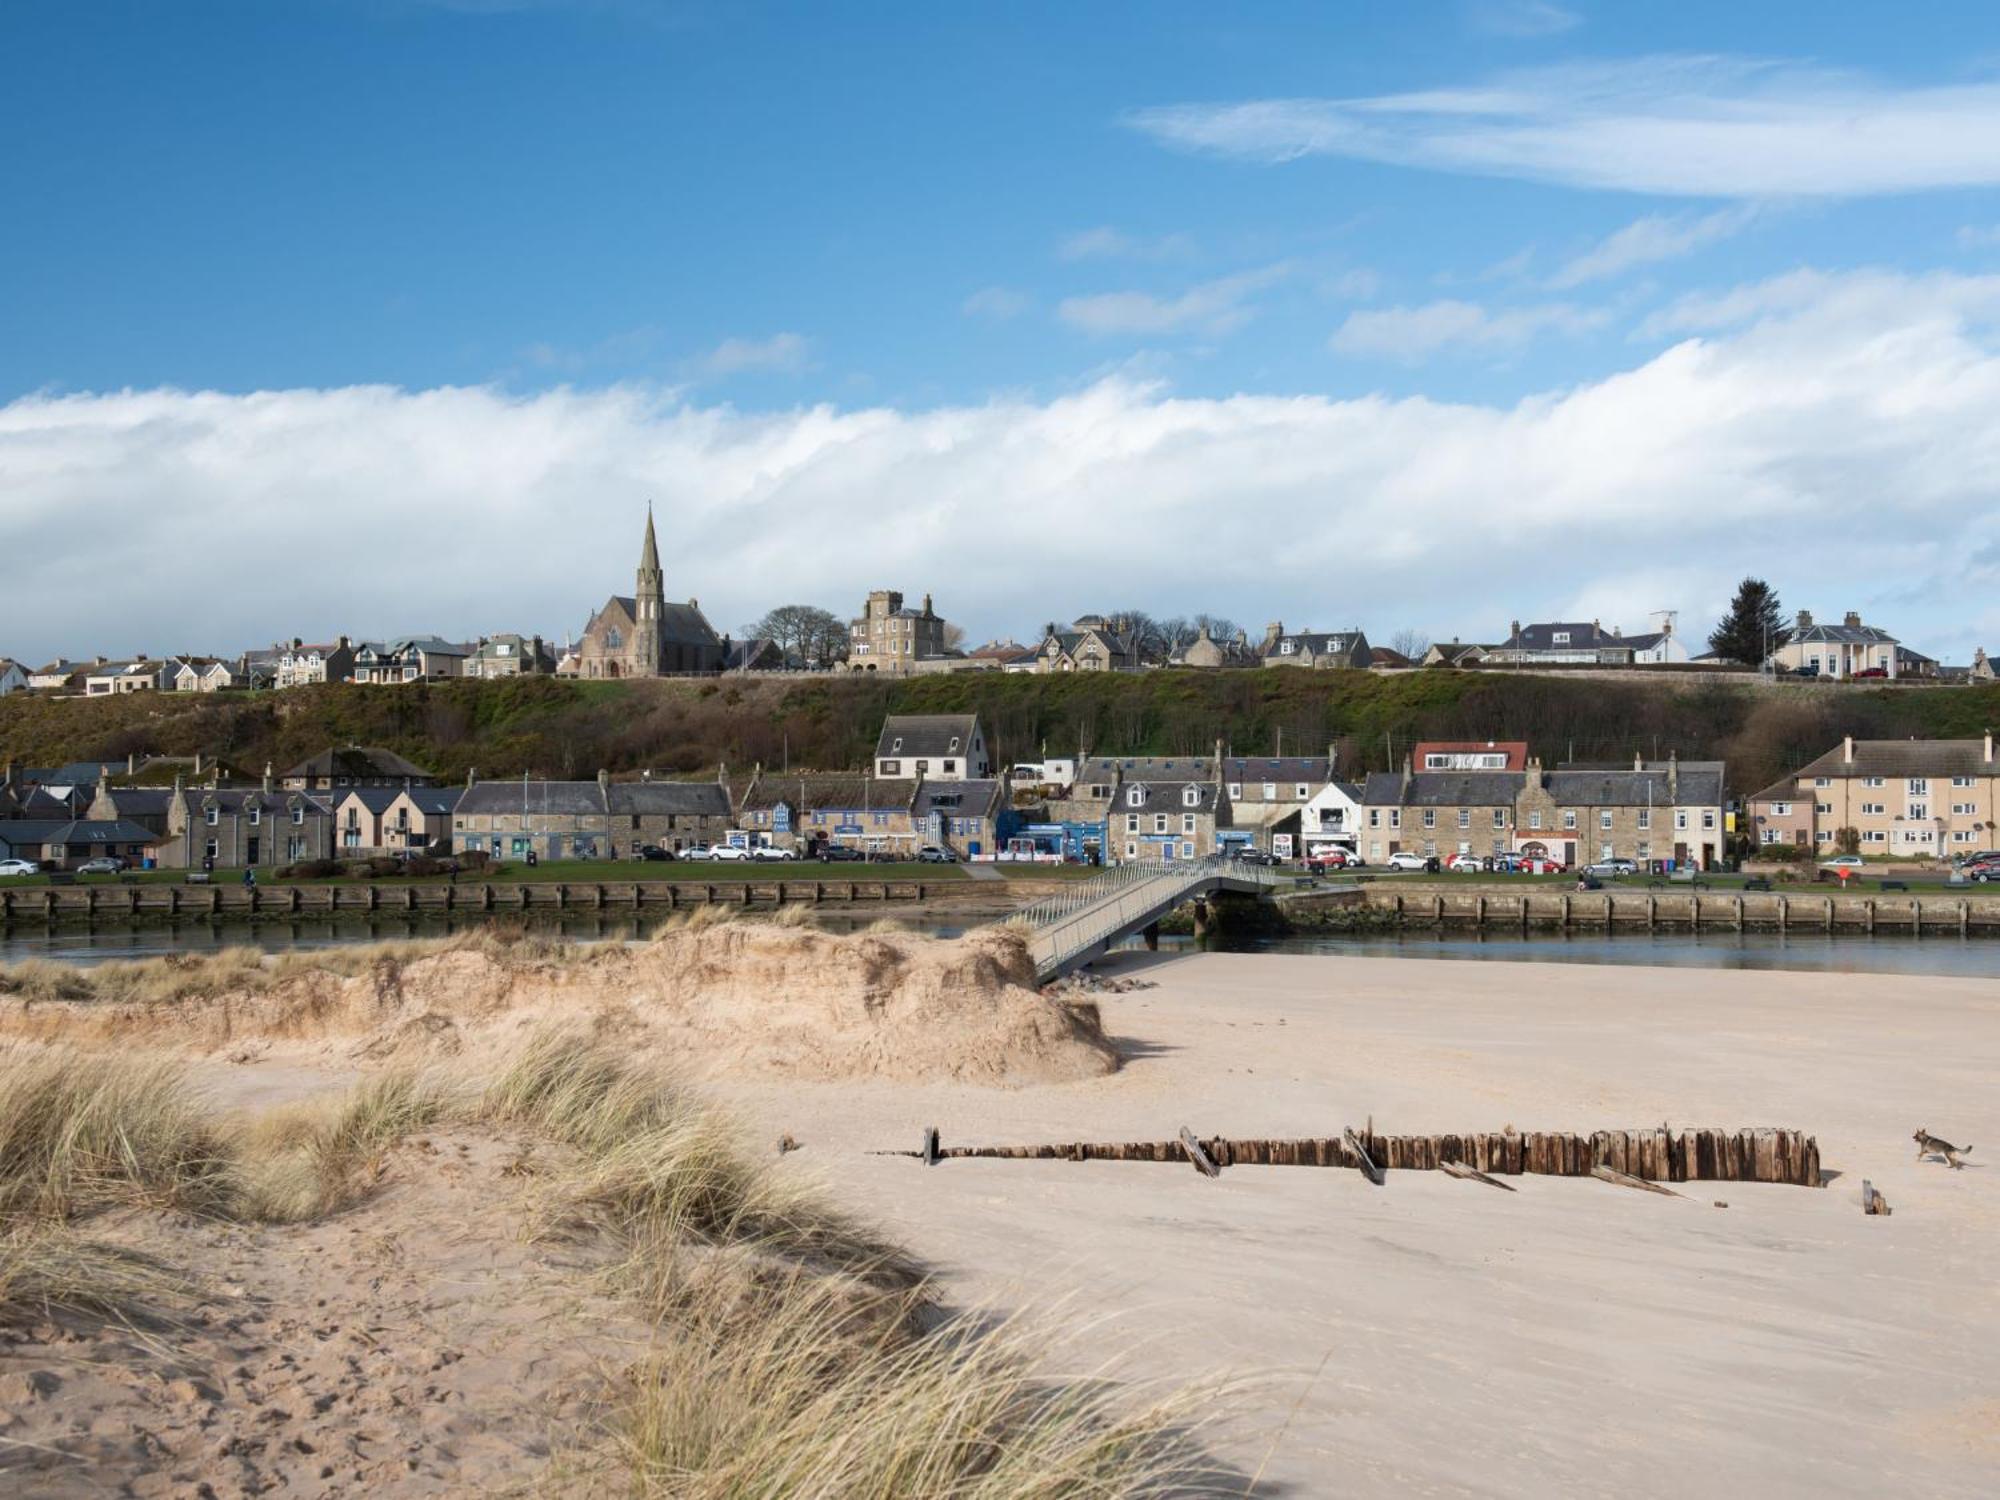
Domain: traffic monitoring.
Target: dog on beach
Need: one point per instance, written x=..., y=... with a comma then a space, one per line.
x=1930, y=1145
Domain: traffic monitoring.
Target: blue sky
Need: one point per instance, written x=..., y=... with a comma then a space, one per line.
x=809, y=266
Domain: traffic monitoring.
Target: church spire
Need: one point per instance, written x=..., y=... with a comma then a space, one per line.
x=649, y=555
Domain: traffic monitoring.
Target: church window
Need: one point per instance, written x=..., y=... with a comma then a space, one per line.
x=613, y=639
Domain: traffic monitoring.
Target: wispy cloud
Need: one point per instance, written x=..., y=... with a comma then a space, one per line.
x=1106, y=243
x=1412, y=334
x=1519, y=18
x=1978, y=236
x=996, y=302
x=1685, y=126
x=1653, y=238
x=1215, y=307
x=781, y=353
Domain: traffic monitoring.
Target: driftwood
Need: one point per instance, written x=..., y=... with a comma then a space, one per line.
x=1626, y=1179
x=1195, y=1154
x=1472, y=1174
x=930, y=1146
x=1655, y=1154
x=1361, y=1157
x=1873, y=1202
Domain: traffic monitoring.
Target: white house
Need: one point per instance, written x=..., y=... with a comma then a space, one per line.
x=124, y=677
x=13, y=677
x=1331, y=818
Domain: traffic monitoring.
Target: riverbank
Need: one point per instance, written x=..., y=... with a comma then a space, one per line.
x=1570, y=1337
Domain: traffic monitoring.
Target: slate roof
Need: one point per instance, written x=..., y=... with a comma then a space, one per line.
x=1293, y=768
x=1843, y=635
x=1649, y=788
x=1316, y=643
x=1166, y=796
x=15, y=832
x=926, y=735
x=682, y=624
x=512, y=798
x=1904, y=758
x=1584, y=635
x=844, y=790
x=354, y=761
x=1443, y=789
x=653, y=799
x=375, y=798
x=141, y=801
x=1145, y=768
x=959, y=799
x=742, y=656
x=242, y=799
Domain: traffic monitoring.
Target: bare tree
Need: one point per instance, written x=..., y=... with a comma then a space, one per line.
x=807, y=635
x=953, y=635
x=1410, y=642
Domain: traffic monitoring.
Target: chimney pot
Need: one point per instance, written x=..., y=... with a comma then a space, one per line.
x=1847, y=749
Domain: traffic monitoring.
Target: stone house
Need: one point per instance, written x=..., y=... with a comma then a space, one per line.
x=1268, y=794
x=260, y=827
x=601, y=819
x=888, y=638
x=508, y=655
x=1206, y=651
x=423, y=658
x=63, y=844
x=201, y=674
x=1656, y=810
x=1440, y=813
x=1091, y=644
x=1844, y=650
x=1455, y=654
x=804, y=811
x=336, y=769
x=1325, y=650
x=1167, y=819
x=973, y=818
x=60, y=675
x=301, y=664
x=932, y=747
x=1573, y=643
x=1936, y=799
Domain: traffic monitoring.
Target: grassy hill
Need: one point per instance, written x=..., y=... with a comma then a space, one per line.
x=564, y=728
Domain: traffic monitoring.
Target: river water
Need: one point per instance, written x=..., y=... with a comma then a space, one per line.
x=1847, y=954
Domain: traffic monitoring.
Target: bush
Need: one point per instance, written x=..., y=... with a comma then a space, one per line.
x=474, y=861
x=310, y=869
x=423, y=864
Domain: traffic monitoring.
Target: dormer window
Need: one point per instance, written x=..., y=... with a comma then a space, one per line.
x=897, y=745
x=954, y=744
x=256, y=815
x=1135, y=796
x=1285, y=648
x=1191, y=796
x=1561, y=637
x=213, y=815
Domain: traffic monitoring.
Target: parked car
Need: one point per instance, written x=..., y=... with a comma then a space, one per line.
x=770, y=853
x=1606, y=867
x=1873, y=672
x=1333, y=859
x=1981, y=870
x=19, y=867
x=1505, y=864
x=1843, y=862
x=104, y=864
x=1256, y=857
x=1539, y=865
x=933, y=854
x=1409, y=859
x=839, y=853
x=654, y=853
x=727, y=852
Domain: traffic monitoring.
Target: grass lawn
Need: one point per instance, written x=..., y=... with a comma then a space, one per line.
x=576, y=871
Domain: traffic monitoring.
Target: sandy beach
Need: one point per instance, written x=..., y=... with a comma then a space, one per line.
x=1437, y=1337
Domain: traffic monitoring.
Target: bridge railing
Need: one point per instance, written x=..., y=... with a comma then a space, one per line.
x=1108, y=904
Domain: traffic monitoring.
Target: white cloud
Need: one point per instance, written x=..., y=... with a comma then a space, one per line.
x=1106, y=243
x=781, y=353
x=997, y=302
x=1214, y=307
x=1830, y=409
x=1412, y=334
x=1978, y=236
x=1357, y=285
x=1520, y=18
x=1647, y=240
x=1684, y=126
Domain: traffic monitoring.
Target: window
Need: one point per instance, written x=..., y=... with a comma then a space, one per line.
x=1964, y=809
x=923, y=767
x=1159, y=822
x=1645, y=851
x=1270, y=791
x=1187, y=822
x=1187, y=851
x=1190, y=796
x=1135, y=796
x=1962, y=781
x=1822, y=781
x=1866, y=808
x=1374, y=817
x=1781, y=809
x=1569, y=817
x=1768, y=835
x=1680, y=818
x=1920, y=786
x=256, y=815
x=213, y=815
x=1430, y=817
x=950, y=766
x=299, y=815
x=892, y=768
x=1235, y=791
x=1395, y=817
x=1920, y=809
x=1300, y=791
x=1561, y=637
x=1131, y=851
x=1465, y=817
x=1871, y=781
x=1499, y=817
x=1131, y=822
x=1827, y=807
x=213, y=848
x=1535, y=817
x=1645, y=818
x=1604, y=819
x=1876, y=836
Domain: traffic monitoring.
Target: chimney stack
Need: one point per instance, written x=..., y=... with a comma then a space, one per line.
x=267, y=776
x=1805, y=619
x=1853, y=621
x=1989, y=747
x=471, y=777
x=1847, y=750
x=604, y=782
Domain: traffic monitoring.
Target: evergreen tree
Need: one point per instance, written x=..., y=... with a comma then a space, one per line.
x=1754, y=626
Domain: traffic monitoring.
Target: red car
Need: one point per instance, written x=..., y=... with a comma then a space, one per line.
x=1531, y=866
x=1873, y=672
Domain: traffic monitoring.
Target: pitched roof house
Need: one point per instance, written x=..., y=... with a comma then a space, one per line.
x=1324, y=649
x=336, y=769
x=934, y=747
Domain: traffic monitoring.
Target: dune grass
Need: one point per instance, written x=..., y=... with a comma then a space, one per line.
x=799, y=1351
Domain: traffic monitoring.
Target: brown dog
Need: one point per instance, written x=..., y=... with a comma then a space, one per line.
x=1930, y=1145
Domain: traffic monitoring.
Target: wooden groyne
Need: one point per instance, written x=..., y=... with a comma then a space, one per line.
x=1660, y=1155
x=229, y=899
x=1543, y=909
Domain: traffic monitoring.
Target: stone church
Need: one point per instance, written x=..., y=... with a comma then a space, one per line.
x=644, y=635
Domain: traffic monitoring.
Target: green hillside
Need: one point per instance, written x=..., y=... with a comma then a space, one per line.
x=566, y=728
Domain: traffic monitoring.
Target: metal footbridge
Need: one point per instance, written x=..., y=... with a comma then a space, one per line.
x=1068, y=930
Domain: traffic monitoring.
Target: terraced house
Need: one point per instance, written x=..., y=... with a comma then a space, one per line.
x=804, y=811
x=1886, y=798
x=601, y=819
x=259, y=827
x=1147, y=807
